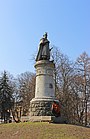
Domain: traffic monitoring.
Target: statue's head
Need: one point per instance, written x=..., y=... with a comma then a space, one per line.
x=45, y=35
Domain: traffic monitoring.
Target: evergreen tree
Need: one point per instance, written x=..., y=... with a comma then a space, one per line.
x=6, y=99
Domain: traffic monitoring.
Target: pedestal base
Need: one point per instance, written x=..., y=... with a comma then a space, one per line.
x=41, y=107
x=41, y=110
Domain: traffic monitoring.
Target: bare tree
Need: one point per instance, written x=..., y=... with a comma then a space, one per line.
x=64, y=76
x=83, y=83
x=26, y=89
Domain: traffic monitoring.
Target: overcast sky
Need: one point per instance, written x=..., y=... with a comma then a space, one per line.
x=23, y=23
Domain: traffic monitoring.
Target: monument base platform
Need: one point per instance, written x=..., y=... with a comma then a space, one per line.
x=41, y=111
x=50, y=119
x=42, y=118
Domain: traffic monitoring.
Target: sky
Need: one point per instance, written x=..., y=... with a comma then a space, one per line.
x=23, y=23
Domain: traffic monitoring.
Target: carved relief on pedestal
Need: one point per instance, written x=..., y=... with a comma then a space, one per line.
x=44, y=71
x=40, y=71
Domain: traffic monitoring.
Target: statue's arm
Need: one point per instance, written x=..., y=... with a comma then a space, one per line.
x=50, y=49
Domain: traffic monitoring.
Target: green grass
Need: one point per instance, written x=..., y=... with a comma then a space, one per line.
x=41, y=130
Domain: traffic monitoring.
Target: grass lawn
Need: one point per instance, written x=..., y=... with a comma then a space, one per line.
x=40, y=130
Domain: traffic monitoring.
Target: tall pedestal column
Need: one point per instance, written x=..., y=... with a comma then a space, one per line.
x=45, y=90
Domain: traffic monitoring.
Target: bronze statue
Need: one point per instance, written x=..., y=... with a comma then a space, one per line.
x=44, y=51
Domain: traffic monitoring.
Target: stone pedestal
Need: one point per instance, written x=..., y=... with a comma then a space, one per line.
x=44, y=91
x=45, y=81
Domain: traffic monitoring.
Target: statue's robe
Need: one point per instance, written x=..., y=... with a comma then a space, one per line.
x=43, y=52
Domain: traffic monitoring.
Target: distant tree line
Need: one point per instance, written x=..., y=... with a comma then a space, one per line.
x=72, y=88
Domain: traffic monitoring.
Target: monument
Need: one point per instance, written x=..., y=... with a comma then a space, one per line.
x=41, y=105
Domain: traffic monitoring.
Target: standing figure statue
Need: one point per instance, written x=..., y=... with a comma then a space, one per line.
x=44, y=51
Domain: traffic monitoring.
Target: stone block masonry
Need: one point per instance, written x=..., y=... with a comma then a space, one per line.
x=41, y=108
